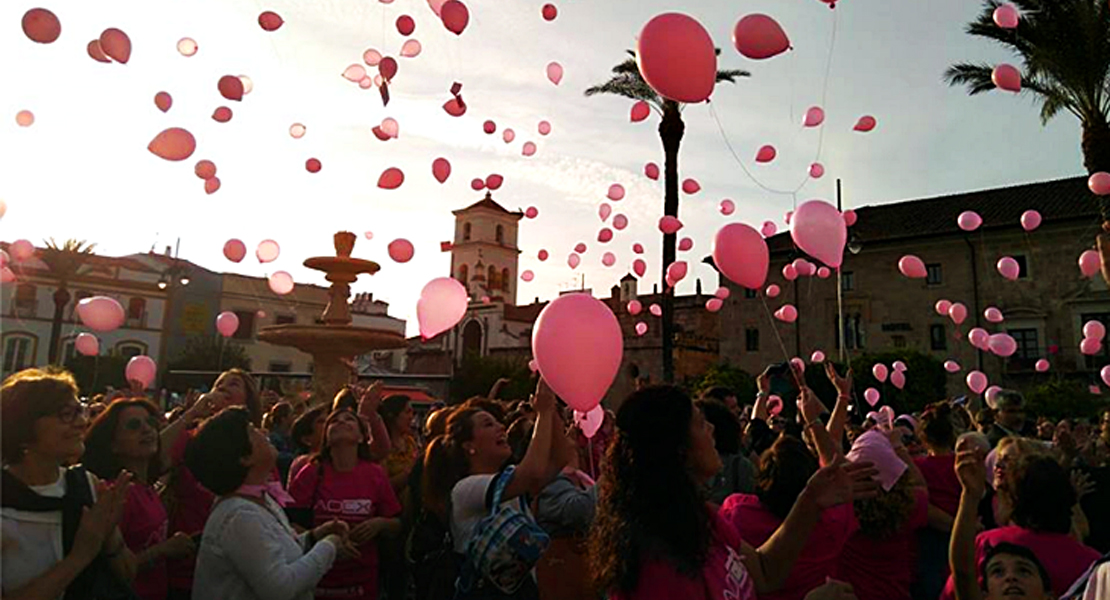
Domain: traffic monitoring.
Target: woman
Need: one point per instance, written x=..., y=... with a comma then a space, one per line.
x=125, y=437
x=937, y=430
x=279, y=423
x=878, y=559
x=58, y=533
x=249, y=550
x=397, y=414
x=187, y=501
x=343, y=483
x=465, y=464
x=656, y=537
x=365, y=402
x=307, y=436
x=737, y=476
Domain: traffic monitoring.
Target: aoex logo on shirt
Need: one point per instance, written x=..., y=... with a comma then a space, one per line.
x=362, y=507
x=737, y=584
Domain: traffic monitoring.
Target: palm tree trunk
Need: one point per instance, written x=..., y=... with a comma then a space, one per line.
x=1096, y=157
x=61, y=299
x=671, y=130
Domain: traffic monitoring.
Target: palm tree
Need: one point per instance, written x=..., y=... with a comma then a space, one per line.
x=1064, y=47
x=628, y=82
x=63, y=263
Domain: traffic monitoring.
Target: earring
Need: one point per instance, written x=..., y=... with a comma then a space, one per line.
x=472, y=450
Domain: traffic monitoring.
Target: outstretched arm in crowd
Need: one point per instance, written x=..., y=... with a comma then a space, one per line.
x=763, y=384
x=839, y=416
x=811, y=408
x=202, y=408
x=972, y=473
x=496, y=389
x=536, y=468
x=368, y=405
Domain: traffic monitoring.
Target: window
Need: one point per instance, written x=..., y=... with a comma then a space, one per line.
x=18, y=352
x=130, y=349
x=500, y=234
x=135, y=308
x=853, y=331
x=464, y=274
x=466, y=232
x=1028, y=348
x=750, y=293
x=505, y=280
x=493, y=279
x=280, y=366
x=847, y=281
x=899, y=341
x=751, y=339
x=1023, y=266
x=246, y=325
x=284, y=320
x=933, y=274
x=26, y=300
x=938, y=338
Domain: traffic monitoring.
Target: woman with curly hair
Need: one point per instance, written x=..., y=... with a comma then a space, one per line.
x=655, y=536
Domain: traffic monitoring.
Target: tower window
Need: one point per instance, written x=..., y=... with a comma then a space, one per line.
x=505, y=280
x=466, y=232
x=500, y=234
x=464, y=274
x=493, y=281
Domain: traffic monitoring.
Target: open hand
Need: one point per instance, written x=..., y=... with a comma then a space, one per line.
x=841, y=482
x=843, y=385
x=371, y=399
x=366, y=531
x=99, y=521
x=971, y=470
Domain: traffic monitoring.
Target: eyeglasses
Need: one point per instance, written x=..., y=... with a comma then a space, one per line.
x=72, y=412
x=136, y=424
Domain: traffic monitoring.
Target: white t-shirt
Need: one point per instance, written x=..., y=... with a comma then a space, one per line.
x=468, y=507
x=31, y=542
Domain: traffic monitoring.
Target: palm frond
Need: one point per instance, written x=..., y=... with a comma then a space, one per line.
x=977, y=78
x=65, y=261
x=730, y=75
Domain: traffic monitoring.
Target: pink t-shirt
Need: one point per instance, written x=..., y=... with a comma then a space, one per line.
x=818, y=559
x=353, y=496
x=723, y=577
x=1064, y=558
x=144, y=524
x=882, y=569
x=940, y=476
x=193, y=503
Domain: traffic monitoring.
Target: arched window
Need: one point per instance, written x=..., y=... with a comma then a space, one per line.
x=466, y=232
x=500, y=234
x=464, y=275
x=505, y=280
x=493, y=281
x=472, y=339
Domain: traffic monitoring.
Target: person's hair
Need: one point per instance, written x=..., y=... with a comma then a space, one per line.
x=648, y=503
x=1041, y=493
x=304, y=426
x=1009, y=398
x=250, y=389
x=1012, y=549
x=985, y=415
x=324, y=455
x=784, y=470
x=445, y=460
x=726, y=427
x=392, y=407
x=885, y=515
x=493, y=407
x=277, y=415
x=436, y=423
x=718, y=393
x=214, y=454
x=99, y=458
x=26, y=397
x=345, y=398
x=936, y=427
x=519, y=436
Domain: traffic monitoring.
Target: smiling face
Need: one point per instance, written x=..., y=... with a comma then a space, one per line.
x=136, y=434
x=60, y=436
x=1010, y=576
x=343, y=428
x=489, y=445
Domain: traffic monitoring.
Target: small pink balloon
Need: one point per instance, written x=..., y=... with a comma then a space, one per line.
x=387, y=68
x=723, y=293
x=790, y=272
x=405, y=25
x=87, y=344
x=1099, y=183
x=1008, y=268
x=824, y=272
x=880, y=372
x=542, y=255
x=163, y=101
x=850, y=217
x=574, y=260
x=714, y=304
x=477, y=184
x=677, y=270
x=297, y=131
x=1105, y=374
x=620, y=222
x=549, y=12
x=1030, y=220
x=941, y=307
x=1042, y=366
x=281, y=283
x=454, y=15
x=865, y=124
x=773, y=291
x=1006, y=77
x=640, y=111
x=684, y=245
x=1089, y=263
x=691, y=186
x=173, y=144
x=957, y=312
x=141, y=369
x=769, y=229
x=369, y=235
x=441, y=169
x=641, y=328
x=605, y=235
x=669, y=225
x=267, y=251
x=993, y=315
x=401, y=250
x=727, y=207
x=912, y=267
x=977, y=382
x=871, y=395
x=185, y=46
x=532, y=212
x=6, y=275
x=814, y=117
x=391, y=179
x=411, y=49
x=529, y=149
x=608, y=259
x=758, y=37
x=604, y=211
x=372, y=57
x=817, y=170
x=898, y=379
x=527, y=276
x=651, y=170
x=101, y=313
x=1094, y=330
x=634, y=307
x=616, y=192
x=817, y=357
x=991, y=396
x=390, y=127
x=1006, y=16
x=235, y=250
x=951, y=366
x=766, y=154
x=554, y=72
x=544, y=128
x=979, y=338
x=787, y=314
x=21, y=250
x=580, y=248
x=442, y=304
x=227, y=323
x=655, y=310
x=1002, y=344
x=969, y=220
x=1090, y=346
x=638, y=248
x=639, y=267
x=774, y=405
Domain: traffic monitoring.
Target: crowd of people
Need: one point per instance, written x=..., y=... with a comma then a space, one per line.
x=240, y=495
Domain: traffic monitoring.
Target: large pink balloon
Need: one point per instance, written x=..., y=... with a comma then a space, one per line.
x=235, y=250
x=441, y=306
x=976, y=381
x=401, y=250
x=957, y=312
x=267, y=251
x=101, y=313
x=1094, y=329
x=1030, y=220
x=87, y=344
x=1099, y=183
x=758, y=36
x=455, y=16
x=912, y=267
x=1002, y=344
x=1008, y=268
x=141, y=369
x=173, y=144
x=1089, y=263
x=969, y=220
x=1006, y=77
x=979, y=338
x=819, y=230
x=741, y=255
x=441, y=169
x=227, y=323
x=684, y=76
x=578, y=346
x=281, y=283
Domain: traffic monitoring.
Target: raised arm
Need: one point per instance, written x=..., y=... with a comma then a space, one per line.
x=839, y=416
x=496, y=389
x=811, y=409
x=763, y=385
x=171, y=434
x=535, y=469
x=972, y=473
x=368, y=404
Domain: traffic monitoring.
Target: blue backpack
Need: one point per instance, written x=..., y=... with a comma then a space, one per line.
x=506, y=545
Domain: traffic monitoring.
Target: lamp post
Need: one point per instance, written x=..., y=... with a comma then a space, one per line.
x=173, y=279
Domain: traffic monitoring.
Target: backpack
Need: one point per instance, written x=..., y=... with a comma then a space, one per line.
x=506, y=545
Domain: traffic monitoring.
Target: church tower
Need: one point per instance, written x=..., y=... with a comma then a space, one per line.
x=484, y=255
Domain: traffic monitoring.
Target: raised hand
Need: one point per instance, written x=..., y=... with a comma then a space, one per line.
x=371, y=399
x=809, y=406
x=99, y=521
x=843, y=385
x=836, y=483
x=763, y=381
x=544, y=400
x=971, y=470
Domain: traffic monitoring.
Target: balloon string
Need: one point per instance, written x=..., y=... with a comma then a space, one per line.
x=778, y=337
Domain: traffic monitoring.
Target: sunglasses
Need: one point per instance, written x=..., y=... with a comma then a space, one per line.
x=72, y=412
x=135, y=424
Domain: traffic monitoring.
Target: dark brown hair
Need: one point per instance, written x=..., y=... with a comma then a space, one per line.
x=885, y=515
x=936, y=426
x=26, y=397
x=277, y=415
x=250, y=386
x=214, y=454
x=99, y=457
x=445, y=461
x=784, y=471
x=324, y=455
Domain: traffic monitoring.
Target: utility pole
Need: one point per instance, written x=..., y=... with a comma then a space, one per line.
x=840, y=290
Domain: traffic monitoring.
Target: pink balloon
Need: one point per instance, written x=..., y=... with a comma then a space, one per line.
x=638, y=248
x=639, y=267
x=766, y=154
x=669, y=225
x=605, y=235
x=979, y=338
x=574, y=260
x=819, y=230
x=1105, y=374
x=494, y=181
x=912, y=267
x=787, y=314
x=993, y=315
x=549, y=12
x=969, y=220
x=620, y=222
x=1008, y=268
x=1002, y=344
x=441, y=169
x=411, y=49
x=676, y=271
x=554, y=72
x=774, y=405
x=281, y=283
x=691, y=186
x=1099, y=183
x=590, y=421
x=267, y=251
x=1094, y=330
x=741, y=255
x=578, y=346
x=976, y=382
x=898, y=366
x=957, y=312
x=372, y=57
x=688, y=76
x=1006, y=77
x=489, y=127
x=101, y=313
x=441, y=306
x=850, y=217
x=405, y=25
x=544, y=128
x=817, y=357
x=21, y=250
x=798, y=364
x=880, y=372
x=235, y=250
x=773, y=291
x=991, y=396
x=790, y=272
x=173, y=144
x=814, y=117
x=477, y=184
x=898, y=379
x=684, y=245
x=25, y=118
x=604, y=211
x=297, y=131
x=532, y=212
x=817, y=170
x=655, y=310
x=542, y=255
x=723, y=293
x=401, y=250
x=227, y=323
x=634, y=307
x=758, y=37
x=354, y=73
x=640, y=111
x=608, y=259
x=1090, y=346
x=641, y=328
x=390, y=127
x=951, y=366
x=141, y=369
x=1030, y=220
x=455, y=16
x=727, y=207
x=942, y=307
x=580, y=248
x=87, y=344
x=803, y=267
x=864, y=124
x=616, y=192
x=1089, y=263
x=391, y=179
x=651, y=170
x=871, y=395
x=436, y=6
x=529, y=149
x=1006, y=16
x=1042, y=365
x=163, y=101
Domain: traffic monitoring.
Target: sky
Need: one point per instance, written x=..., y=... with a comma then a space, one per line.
x=82, y=170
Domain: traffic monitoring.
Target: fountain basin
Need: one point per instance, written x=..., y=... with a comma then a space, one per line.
x=343, y=340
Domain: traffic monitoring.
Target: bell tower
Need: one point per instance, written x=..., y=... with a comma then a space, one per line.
x=484, y=254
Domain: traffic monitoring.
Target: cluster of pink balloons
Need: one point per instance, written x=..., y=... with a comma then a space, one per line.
x=953, y=310
x=441, y=306
x=1093, y=334
x=578, y=346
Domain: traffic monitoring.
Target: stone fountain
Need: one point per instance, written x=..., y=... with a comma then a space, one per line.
x=334, y=344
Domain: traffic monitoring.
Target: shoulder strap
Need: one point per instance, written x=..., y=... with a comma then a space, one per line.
x=78, y=496
x=499, y=486
x=15, y=494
